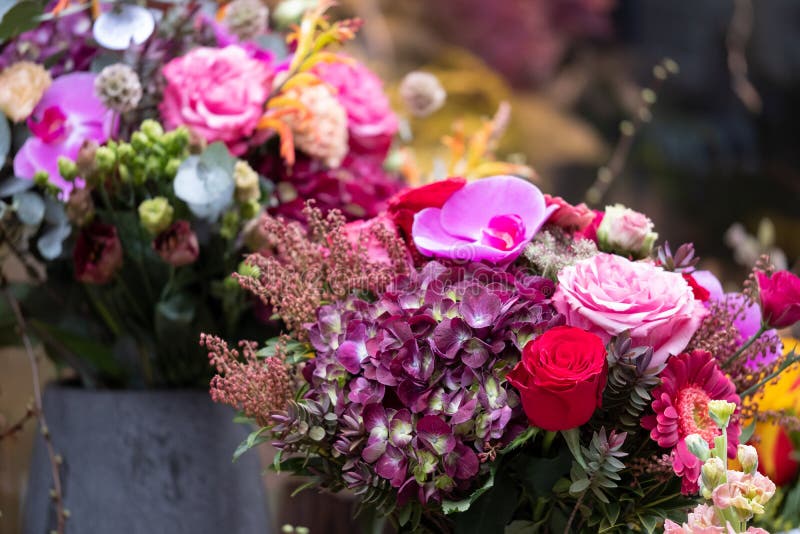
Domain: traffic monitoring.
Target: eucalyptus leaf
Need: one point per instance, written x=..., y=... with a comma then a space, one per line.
x=29, y=207
x=254, y=439
x=206, y=182
x=12, y=185
x=20, y=18
x=5, y=139
x=178, y=309
x=51, y=242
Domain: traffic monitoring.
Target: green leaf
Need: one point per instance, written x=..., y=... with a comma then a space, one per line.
x=254, y=439
x=5, y=139
x=747, y=432
x=540, y=475
x=99, y=355
x=573, y=437
x=19, y=19
x=611, y=512
x=451, y=507
x=492, y=511
x=521, y=440
x=520, y=527
x=649, y=522
x=579, y=486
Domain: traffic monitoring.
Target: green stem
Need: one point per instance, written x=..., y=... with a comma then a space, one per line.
x=105, y=313
x=791, y=359
x=549, y=436
x=761, y=330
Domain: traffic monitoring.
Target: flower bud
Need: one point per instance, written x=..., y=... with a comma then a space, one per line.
x=125, y=152
x=85, y=161
x=171, y=168
x=41, y=178
x=422, y=93
x=124, y=173
x=176, y=141
x=721, y=412
x=250, y=209
x=230, y=225
x=155, y=215
x=712, y=474
x=177, y=245
x=247, y=186
x=748, y=457
x=247, y=19
x=118, y=87
x=140, y=141
x=80, y=207
x=698, y=446
x=97, y=255
x=67, y=168
x=105, y=158
x=625, y=231
x=152, y=129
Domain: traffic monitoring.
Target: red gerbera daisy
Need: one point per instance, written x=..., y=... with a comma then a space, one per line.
x=680, y=403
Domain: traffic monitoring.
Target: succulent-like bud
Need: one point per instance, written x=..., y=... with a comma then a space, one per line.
x=248, y=270
x=105, y=158
x=712, y=474
x=626, y=232
x=230, y=224
x=748, y=457
x=118, y=87
x=152, y=129
x=67, y=168
x=698, y=446
x=155, y=215
x=249, y=209
x=422, y=93
x=172, y=166
x=176, y=141
x=247, y=187
x=124, y=173
x=247, y=19
x=80, y=207
x=721, y=412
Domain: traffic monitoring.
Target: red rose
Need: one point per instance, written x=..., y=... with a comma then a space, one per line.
x=405, y=204
x=177, y=245
x=561, y=378
x=700, y=293
x=590, y=232
x=98, y=254
x=780, y=298
x=567, y=216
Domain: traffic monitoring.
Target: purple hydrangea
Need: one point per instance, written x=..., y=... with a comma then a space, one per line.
x=416, y=379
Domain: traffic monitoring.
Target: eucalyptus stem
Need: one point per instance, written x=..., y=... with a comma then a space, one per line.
x=763, y=328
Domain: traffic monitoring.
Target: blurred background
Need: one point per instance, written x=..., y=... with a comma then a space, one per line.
x=706, y=143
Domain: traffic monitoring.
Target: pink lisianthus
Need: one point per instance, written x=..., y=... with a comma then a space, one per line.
x=608, y=294
x=569, y=217
x=68, y=114
x=218, y=93
x=746, y=493
x=625, y=231
x=371, y=123
x=177, y=245
x=704, y=520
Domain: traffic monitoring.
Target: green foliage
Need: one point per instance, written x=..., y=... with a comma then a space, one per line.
x=630, y=381
x=20, y=18
x=601, y=472
x=493, y=510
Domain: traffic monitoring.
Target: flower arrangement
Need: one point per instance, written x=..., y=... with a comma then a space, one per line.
x=139, y=160
x=486, y=357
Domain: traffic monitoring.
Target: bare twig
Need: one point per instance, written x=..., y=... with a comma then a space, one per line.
x=739, y=31
x=55, y=460
x=19, y=425
x=628, y=129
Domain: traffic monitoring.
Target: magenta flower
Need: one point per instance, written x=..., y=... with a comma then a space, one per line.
x=68, y=114
x=491, y=219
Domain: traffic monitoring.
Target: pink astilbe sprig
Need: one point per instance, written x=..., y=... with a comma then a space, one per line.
x=318, y=265
x=259, y=387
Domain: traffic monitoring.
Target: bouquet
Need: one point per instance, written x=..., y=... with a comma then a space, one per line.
x=483, y=357
x=140, y=148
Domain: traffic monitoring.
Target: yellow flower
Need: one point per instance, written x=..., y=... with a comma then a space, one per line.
x=21, y=88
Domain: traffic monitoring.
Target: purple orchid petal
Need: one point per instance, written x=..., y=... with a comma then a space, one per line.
x=74, y=94
x=393, y=466
x=400, y=429
x=470, y=209
x=449, y=337
x=480, y=308
x=431, y=238
x=436, y=434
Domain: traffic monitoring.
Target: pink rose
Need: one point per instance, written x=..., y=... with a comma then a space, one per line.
x=567, y=216
x=371, y=123
x=780, y=298
x=608, y=294
x=218, y=93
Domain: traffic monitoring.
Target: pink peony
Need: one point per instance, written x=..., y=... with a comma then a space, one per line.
x=218, y=93
x=569, y=217
x=608, y=294
x=371, y=123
